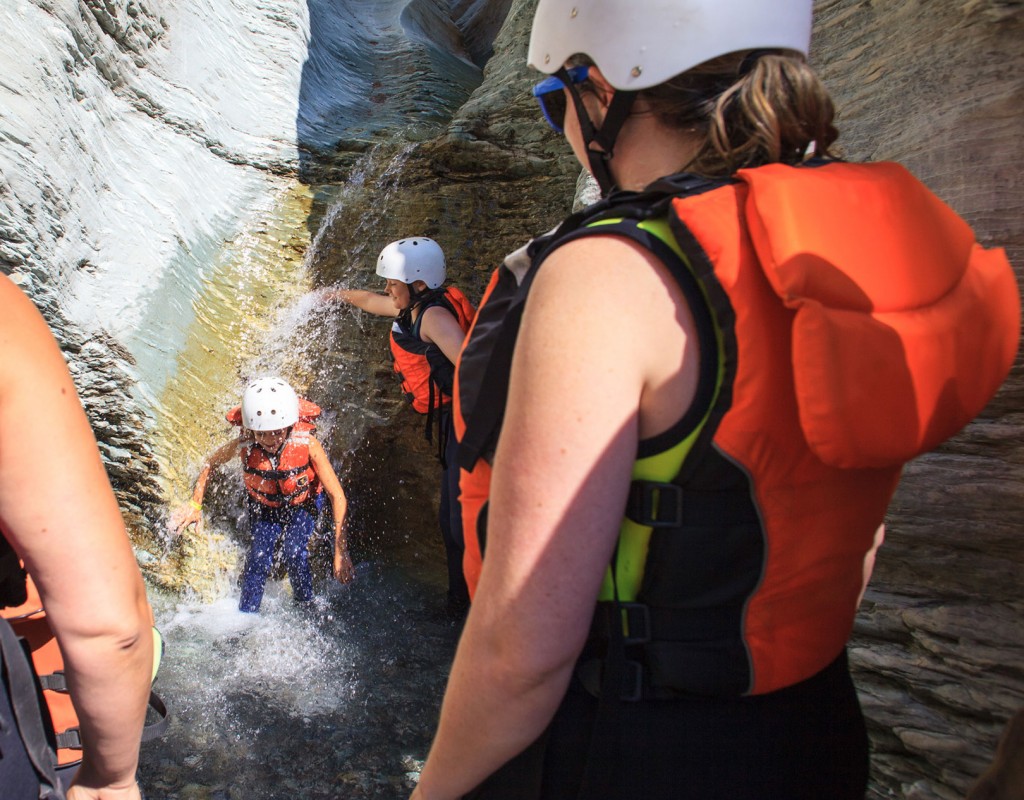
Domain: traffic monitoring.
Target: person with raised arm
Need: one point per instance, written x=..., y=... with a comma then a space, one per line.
x=430, y=323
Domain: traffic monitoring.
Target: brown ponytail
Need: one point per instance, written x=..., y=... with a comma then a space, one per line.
x=776, y=110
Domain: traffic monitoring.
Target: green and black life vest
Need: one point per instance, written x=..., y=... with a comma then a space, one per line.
x=847, y=321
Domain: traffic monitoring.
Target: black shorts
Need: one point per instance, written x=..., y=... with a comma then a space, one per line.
x=805, y=742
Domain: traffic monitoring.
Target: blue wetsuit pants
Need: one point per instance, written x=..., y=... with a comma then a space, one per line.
x=266, y=524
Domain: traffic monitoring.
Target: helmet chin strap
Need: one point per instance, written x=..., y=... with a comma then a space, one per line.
x=415, y=298
x=618, y=111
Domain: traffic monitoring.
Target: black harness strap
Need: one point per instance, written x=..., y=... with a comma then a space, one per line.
x=488, y=355
x=13, y=587
x=277, y=474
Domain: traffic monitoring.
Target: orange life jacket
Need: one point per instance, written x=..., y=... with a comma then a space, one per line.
x=425, y=372
x=848, y=321
x=29, y=622
x=286, y=477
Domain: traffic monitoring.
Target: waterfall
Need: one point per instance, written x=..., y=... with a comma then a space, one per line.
x=172, y=176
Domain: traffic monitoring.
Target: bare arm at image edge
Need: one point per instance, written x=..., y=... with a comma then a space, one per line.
x=69, y=531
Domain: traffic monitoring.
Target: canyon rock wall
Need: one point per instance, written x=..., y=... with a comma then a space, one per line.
x=939, y=644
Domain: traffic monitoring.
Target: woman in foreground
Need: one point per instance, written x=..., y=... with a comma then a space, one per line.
x=682, y=416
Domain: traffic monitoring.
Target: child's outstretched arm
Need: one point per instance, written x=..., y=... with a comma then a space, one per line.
x=193, y=515
x=374, y=303
x=343, y=569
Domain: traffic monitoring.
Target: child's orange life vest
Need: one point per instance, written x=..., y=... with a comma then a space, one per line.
x=286, y=477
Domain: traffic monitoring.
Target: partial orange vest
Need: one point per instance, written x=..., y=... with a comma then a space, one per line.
x=29, y=621
x=423, y=370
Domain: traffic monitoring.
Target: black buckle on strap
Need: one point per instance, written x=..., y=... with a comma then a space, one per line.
x=54, y=682
x=632, y=682
x=631, y=689
x=656, y=505
x=636, y=623
x=71, y=739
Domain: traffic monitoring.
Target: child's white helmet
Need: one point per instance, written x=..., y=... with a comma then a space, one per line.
x=269, y=404
x=640, y=45
x=414, y=259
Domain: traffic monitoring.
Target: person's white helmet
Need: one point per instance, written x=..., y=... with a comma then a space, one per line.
x=640, y=45
x=414, y=259
x=269, y=404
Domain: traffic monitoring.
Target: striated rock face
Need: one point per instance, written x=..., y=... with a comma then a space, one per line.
x=118, y=170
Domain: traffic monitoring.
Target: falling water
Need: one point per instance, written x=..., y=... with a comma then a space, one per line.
x=336, y=700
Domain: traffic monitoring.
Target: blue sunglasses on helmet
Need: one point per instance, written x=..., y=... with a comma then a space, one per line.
x=551, y=98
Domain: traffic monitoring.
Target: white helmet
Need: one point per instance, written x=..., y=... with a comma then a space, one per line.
x=414, y=259
x=640, y=45
x=269, y=404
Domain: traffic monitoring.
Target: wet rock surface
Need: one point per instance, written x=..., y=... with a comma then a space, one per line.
x=939, y=644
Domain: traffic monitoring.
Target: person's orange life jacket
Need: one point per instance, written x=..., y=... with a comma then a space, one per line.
x=424, y=371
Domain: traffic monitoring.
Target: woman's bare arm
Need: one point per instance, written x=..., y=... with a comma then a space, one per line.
x=589, y=360
x=58, y=511
x=371, y=302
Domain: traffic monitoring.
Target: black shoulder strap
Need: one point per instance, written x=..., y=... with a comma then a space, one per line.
x=487, y=358
x=488, y=355
x=13, y=588
x=434, y=297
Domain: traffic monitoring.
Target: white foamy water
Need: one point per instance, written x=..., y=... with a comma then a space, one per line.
x=335, y=699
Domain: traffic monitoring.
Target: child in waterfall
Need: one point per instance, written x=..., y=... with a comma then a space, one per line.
x=286, y=472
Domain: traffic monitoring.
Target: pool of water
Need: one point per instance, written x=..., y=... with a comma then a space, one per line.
x=335, y=700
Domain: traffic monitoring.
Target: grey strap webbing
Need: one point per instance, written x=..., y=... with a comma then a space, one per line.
x=24, y=694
